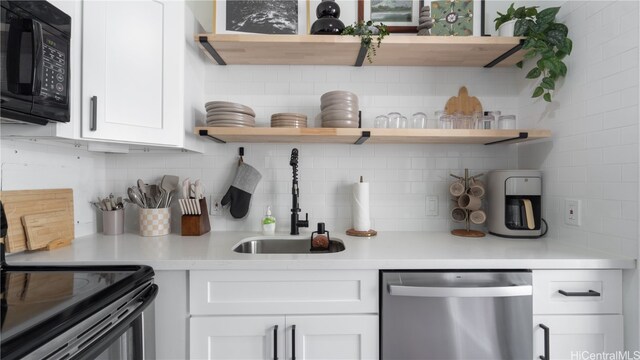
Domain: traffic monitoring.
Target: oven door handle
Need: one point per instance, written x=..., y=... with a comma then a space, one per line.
x=428, y=291
x=14, y=42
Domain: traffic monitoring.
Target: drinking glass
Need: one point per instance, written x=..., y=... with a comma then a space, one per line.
x=485, y=121
x=418, y=120
x=404, y=123
x=507, y=122
x=394, y=120
x=381, y=121
x=446, y=121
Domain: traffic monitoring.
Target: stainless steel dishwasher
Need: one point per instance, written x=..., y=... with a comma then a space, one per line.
x=463, y=315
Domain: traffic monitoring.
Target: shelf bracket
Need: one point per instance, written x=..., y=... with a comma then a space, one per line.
x=364, y=137
x=521, y=136
x=205, y=44
x=206, y=133
x=361, y=55
x=505, y=55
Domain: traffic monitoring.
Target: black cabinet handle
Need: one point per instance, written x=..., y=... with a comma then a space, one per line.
x=93, y=120
x=293, y=342
x=546, y=342
x=275, y=342
x=579, y=293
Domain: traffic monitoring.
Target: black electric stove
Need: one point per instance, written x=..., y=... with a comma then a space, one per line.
x=71, y=312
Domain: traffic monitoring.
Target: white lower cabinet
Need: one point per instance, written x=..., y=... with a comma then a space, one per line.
x=277, y=337
x=577, y=336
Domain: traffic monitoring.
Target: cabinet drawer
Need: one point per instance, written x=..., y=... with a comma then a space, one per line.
x=283, y=292
x=605, y=286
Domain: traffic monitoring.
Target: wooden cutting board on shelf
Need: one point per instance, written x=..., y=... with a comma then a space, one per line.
x=463, y=103
x=19, y=203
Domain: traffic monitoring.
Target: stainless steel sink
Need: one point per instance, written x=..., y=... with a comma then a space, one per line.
x=284, y=246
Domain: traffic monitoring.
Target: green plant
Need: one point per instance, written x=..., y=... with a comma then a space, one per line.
x=365, y=30
x=546, y=40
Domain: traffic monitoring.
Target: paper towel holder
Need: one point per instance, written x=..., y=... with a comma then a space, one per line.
x=367, y=233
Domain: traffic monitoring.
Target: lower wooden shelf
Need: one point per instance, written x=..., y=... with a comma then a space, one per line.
x=370, y=136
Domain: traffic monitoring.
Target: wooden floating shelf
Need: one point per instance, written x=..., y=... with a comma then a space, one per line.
x=471, y=51
x=369, y=136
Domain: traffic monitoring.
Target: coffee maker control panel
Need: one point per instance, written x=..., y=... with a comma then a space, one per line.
x=515, y=186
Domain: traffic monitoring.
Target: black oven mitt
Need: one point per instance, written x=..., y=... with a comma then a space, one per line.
x=240, y=191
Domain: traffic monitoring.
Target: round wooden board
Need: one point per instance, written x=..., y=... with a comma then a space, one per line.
x=370, y=233
x=465, y=233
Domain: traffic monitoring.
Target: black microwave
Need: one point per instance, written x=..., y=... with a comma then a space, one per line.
x=34, y=64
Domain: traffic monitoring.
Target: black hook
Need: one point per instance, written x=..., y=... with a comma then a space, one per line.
x=241, y=151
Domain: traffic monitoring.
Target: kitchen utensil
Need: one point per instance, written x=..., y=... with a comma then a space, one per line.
x=463, y=103
x=198, y=189
x=135, y=197
x=42, y=229
x=113, y=222
x=196, y=225
x=18, y=203
x=170, y=184
x=186, y=188
x=182, y=209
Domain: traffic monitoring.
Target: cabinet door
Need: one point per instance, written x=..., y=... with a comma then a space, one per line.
x=333, y=337
x=236, y=337
x=577, y=336
x=128, y=69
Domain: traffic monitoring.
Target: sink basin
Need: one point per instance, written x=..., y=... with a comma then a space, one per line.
x=284, y=246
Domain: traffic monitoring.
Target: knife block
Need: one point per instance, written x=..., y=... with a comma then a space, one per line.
x=196, y=225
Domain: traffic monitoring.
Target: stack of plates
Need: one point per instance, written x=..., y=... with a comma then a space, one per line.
x=339, y=109
x=291, y=120
x=228, y=114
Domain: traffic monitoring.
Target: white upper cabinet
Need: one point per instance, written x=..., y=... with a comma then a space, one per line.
x=131, y=83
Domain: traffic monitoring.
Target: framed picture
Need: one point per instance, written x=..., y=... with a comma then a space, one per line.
x=348, y=11
x=282, y=17
x=457, y=17
x=400, y=16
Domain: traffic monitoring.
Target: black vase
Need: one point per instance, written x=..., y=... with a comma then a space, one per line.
x=328, y=12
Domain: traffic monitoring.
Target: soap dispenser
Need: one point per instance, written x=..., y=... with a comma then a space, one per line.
x=320, y=239
x=268, y=223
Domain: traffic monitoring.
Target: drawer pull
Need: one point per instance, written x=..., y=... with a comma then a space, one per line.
x=546, y=342
x=293, y=342
x=579, y=293
x=275, y=342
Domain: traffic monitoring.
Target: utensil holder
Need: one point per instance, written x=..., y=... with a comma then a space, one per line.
x=196, y=225
x=155, y=222
x=113, y=222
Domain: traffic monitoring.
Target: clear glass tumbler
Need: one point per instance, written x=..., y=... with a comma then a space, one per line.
x=381, y=121
x=507, y=122
x=418, y=120
x=394, y=120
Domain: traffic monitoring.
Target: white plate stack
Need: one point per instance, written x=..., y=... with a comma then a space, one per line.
x=290, y=120
x=228, y=114
x=339, y=109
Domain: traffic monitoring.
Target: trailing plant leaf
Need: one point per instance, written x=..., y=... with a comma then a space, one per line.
x=534, y=73
x=365, y=31
x=537, y=92
x=519, y=64
x=547, y=42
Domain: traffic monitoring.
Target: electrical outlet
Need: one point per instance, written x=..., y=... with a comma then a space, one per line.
x=572, y=212
x=216, y=208
x=432, y=205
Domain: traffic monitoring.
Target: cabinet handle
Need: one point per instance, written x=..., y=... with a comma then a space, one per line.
x=275, y=342
x=546, y=342
x=579, y=293
x=93, y=120
x=293, y=342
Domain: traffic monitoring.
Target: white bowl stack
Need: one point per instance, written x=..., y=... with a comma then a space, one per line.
x=228, y=114
x=339, y=109
x=290, y=120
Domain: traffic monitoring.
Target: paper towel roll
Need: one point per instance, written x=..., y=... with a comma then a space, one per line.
x=360, y=206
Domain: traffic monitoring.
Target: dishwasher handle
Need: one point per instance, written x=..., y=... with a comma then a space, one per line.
x=438, y=292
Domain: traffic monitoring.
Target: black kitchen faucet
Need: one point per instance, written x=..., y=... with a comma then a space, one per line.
x=296, y=223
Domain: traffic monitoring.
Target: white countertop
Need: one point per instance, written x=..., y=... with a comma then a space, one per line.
x=388, y=250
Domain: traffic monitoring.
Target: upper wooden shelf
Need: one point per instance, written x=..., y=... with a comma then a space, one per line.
x=471, y=51
x=373, y=136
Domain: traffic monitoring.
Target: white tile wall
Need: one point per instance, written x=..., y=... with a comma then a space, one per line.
x=34, y=165
x=594, y=120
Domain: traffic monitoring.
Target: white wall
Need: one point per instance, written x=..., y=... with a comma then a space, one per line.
x=34, y=165
x=594, y=153
x=401, y=175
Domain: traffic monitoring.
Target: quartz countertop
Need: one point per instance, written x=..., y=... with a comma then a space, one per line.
x=388, y=250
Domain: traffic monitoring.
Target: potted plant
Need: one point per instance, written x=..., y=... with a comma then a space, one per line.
x=366, y=32
x=546, y=41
